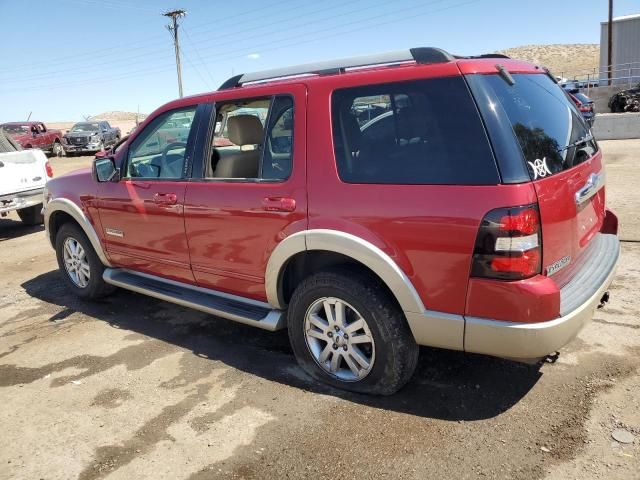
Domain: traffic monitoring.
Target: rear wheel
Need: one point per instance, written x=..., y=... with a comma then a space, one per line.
x=31, y=215
x=346, y=331
x=80, y=264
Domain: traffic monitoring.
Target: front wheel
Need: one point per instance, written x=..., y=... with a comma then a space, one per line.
x=80, y=264
x=57, y=150
x=346, y=330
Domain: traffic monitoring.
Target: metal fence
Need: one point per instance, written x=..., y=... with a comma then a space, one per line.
x=624, y=74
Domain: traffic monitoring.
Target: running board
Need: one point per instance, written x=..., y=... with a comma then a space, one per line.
x=243, y=310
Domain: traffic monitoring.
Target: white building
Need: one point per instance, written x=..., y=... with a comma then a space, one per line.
x=626, y=50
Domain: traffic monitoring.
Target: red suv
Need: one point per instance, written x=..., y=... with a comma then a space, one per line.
x=369, y=205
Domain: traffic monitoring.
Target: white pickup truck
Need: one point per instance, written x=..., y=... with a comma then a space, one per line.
x=23, y=175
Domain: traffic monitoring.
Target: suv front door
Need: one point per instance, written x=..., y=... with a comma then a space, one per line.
x=142, y=215
x=233, y=223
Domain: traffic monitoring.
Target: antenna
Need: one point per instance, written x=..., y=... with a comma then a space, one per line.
x=173, y=29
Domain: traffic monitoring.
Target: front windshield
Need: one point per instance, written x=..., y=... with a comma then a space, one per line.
x=85, y=127
x=16, y=129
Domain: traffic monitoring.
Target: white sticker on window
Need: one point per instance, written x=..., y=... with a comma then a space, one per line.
x=540, y=168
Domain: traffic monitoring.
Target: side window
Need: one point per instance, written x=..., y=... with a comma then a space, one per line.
x=253, y=139
x=418, y=132
x=278, y=152
x=159, y=151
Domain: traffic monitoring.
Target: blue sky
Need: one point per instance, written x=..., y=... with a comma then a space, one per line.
x=69, y=58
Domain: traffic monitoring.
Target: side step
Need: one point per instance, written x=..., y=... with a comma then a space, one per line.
x=243, y=310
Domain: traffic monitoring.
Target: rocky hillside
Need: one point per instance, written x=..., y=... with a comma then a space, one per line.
x=571, y=59
x=118, y=116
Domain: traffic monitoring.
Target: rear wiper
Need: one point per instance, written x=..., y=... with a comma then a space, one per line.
x=587, y=138
x=505, y=75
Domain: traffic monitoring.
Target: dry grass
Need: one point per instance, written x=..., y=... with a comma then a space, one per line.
x=572, y=59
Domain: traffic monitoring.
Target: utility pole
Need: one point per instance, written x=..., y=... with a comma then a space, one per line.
x=610, y=41
x=173, y=28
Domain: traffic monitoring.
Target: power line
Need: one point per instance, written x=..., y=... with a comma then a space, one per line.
x=129, y=46
x=146, y=71
x=204, y=65
x=132, y=59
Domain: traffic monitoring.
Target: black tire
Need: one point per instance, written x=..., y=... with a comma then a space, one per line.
x=96, y=287
x=396, y=352
x=57, y=150
x=32, y=215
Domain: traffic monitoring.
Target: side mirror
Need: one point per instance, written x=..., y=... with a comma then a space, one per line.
x=67, y=131
x=105, y=170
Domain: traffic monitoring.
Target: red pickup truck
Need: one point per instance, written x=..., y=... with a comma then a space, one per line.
x=368, y=205
x=35, y=135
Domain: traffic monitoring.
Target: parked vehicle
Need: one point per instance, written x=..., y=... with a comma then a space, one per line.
x=35, y=135
x=626, y=100
x=23, y=174
x=584, y=105
x=471, y=216
x=90, y=137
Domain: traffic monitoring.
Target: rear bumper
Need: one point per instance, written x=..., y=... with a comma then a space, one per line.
x=18, y=201
x=579, y=299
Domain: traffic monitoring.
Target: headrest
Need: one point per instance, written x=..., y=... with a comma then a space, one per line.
x=245, y=130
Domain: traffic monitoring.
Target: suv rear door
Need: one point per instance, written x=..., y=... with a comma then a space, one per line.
x=563, y=161
x=233, y=223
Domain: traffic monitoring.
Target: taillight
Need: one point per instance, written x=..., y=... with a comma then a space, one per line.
x=584, y=108
x=47, y=166
x=509, y=244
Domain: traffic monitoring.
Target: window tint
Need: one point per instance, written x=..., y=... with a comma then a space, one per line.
x=253, y=139
x=277, y=157
x=549, y=128
x=159, y=151
x=421, y=132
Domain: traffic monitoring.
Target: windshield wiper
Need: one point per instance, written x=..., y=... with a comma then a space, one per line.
x=587, y=138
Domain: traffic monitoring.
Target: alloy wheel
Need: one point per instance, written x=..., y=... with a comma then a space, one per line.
x=76, y=262
x=339, y=339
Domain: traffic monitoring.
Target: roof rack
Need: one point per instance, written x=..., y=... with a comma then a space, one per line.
x=484, y=55
x=422, y=55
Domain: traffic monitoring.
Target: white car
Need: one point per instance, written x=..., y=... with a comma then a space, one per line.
x=23, y=175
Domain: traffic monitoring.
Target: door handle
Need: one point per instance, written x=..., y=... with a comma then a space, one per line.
x=165, y=198
x=278, y=204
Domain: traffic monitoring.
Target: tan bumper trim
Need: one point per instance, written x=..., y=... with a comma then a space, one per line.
x=530, y=340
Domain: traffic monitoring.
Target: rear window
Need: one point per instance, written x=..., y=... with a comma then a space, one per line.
x=582, y=97
x=551, y=132
x=419, y=132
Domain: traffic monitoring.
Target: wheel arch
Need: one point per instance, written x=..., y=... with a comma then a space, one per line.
x=62, y=210
x=340, y=245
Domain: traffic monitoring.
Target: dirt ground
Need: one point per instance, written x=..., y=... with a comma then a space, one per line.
x=132, y=387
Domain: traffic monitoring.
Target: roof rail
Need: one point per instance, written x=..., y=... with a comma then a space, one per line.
x=422, y=55
x=484, y=55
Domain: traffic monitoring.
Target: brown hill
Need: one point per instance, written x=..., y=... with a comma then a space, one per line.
x=119, y=116
x=564, y=60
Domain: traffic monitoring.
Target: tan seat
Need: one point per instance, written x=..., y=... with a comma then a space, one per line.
x=245, y=131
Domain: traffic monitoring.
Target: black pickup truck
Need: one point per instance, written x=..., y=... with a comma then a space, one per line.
x=90, y=137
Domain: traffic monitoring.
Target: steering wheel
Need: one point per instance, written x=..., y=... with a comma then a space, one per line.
x=166, y=150
x=170, y=147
